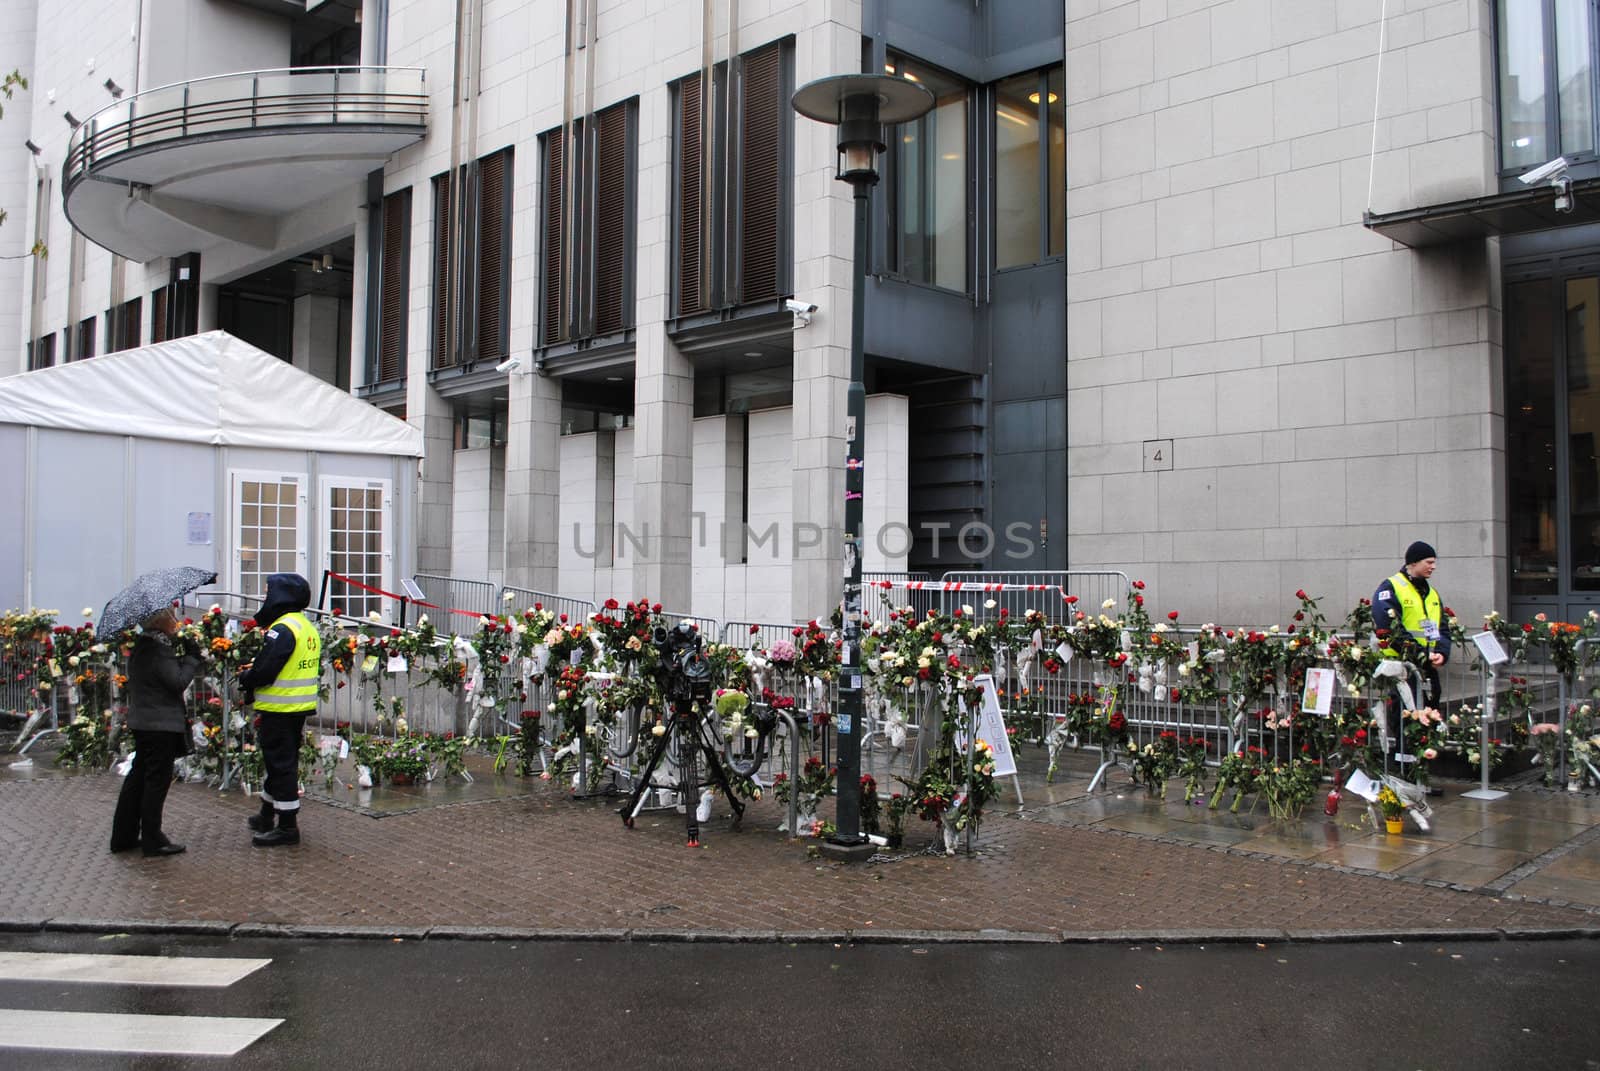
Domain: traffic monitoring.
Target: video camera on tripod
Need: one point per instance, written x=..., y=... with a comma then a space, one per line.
x=684, y=672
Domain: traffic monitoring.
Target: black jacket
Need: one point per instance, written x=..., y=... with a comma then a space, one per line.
x=286, y=593
x=157, y=677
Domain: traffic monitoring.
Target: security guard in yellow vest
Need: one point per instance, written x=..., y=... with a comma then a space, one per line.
x=1410, y=618
x=283, y=680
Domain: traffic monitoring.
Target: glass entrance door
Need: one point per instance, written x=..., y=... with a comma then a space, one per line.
x=1552, y=357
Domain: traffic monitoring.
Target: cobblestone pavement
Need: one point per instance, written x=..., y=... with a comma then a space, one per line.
x=543, y=862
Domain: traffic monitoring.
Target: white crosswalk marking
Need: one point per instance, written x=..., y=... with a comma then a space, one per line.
x=187, y=1035
x=206, y=971
x=75, y=1031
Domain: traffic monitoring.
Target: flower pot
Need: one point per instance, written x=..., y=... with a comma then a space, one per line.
x=402, y=779
x=1574, y=781
x=1394, y=825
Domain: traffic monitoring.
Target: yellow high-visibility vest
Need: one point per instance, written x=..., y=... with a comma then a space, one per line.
x=295, y=689
x=1418, y=616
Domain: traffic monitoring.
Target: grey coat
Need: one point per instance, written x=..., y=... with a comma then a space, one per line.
x=156, y=680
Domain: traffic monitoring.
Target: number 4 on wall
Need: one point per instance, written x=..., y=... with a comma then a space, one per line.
x=1157, y=455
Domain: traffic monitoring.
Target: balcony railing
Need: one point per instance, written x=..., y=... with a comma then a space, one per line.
x=234, y=105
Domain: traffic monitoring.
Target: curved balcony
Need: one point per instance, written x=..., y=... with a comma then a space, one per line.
x=186, y=166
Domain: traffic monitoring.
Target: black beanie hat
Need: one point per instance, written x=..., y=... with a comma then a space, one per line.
x=1418, y=551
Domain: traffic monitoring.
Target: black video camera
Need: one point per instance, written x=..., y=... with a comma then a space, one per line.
x=685, y=673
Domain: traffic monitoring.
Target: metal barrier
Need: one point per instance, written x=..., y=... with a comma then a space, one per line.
x=525, y=598
x=763, y=634
x=449, y=593
x=1093, y=589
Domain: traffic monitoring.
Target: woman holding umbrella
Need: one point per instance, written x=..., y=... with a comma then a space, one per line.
x=157, y=677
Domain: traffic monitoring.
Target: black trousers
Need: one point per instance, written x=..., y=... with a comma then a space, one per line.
x=144, y=790
x=279, y=739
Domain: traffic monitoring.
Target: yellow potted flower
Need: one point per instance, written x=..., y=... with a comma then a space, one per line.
x=1394, y=809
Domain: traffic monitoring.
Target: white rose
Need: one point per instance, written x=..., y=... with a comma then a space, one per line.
x=658, y=730
x=1108, y=604
x=88, y=611
x=423, y=620
x=507, y=597
x=966, y=610
x=989, y=604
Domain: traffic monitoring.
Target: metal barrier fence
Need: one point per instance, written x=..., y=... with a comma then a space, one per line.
x=763, y=634
x=525, y=598
x=449, y=593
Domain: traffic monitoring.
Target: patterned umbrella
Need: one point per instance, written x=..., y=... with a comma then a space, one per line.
x=155, y=590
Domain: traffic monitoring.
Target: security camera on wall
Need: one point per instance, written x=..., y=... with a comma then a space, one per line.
x=802, y=311
x=510, y=364
x=1545, y=171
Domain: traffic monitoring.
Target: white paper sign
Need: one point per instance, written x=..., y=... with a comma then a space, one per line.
x=1489, y=648
x=397, y=663
x=992, y=729
x=1064, y=652
x=1318, y=697
x=199, y=529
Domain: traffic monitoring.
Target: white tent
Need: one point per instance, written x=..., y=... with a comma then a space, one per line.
x=200, y=451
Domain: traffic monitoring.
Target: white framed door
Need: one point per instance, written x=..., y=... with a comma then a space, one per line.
x=269, y=527
x=358, y=542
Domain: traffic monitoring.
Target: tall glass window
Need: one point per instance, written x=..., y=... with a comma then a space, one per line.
x=1531, y=437
x=1574, y=82
x=927, y=197
x=1583, y=429
x=1547, y=86
x=1029, y=168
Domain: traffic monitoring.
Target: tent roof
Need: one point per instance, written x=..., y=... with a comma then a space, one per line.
x=210, y=388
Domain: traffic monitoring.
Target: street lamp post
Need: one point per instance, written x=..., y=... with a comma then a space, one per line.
x=859, y=105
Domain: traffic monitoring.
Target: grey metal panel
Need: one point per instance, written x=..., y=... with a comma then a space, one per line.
x=948, y=33
x=1028, y=332
x=1019, y=427
x=78, y=529
x=1014, y=26
x=922, y=325
x=1020, y=499
x=171, y=481
x=13, y=488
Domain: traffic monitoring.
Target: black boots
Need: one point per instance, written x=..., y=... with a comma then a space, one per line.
x=261, y=822
x=288, y=831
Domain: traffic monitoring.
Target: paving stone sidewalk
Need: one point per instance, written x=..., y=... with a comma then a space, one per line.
x=543, y=863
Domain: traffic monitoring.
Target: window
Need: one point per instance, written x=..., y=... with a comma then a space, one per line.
x=926, y=188
x=387, y=362
x=85, y=339
x=1546, y=53
x=731, y=188
x=472, y=276
x=357, y=541
x=158, y=315
x=586, y=254
x=480, y=429
x=42, y=352
x=1030, y=188
x=269, y=528
x=122, y=326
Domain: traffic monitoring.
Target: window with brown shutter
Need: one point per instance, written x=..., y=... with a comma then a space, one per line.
x=553, y=240
x=494, y=239
x=158, y=315
x=393, y=286
x=761, y=143
x=691, y=258
x=732, y=242
x=613, y=275
x=443, y=228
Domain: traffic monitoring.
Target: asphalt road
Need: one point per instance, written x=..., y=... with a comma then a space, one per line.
x=501, y=1004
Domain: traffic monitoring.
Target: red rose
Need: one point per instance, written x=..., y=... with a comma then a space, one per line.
x=611, y=604
x=655, y=609
x=1301, y=594
x=1138, y=600
x=1172, y=615
x=1361, y=736
x=798, y=631
x=754, y=629
x=1139, y=585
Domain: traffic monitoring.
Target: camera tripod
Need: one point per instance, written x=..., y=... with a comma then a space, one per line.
x=686, y=726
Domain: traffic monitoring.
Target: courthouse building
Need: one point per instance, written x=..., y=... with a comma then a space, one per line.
x=1237, y=296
